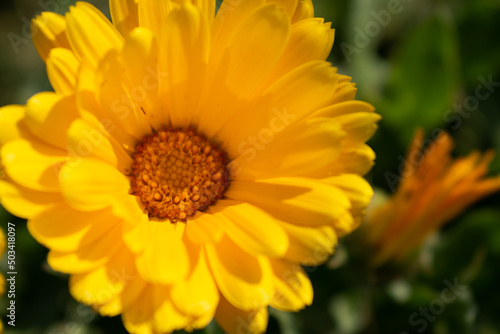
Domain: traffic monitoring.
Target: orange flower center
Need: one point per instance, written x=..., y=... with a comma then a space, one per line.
x=178, y=172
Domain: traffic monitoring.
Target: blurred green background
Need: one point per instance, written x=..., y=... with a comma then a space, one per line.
x=419, y=63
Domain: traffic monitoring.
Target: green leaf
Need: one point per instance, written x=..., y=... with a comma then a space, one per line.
x=424, y=79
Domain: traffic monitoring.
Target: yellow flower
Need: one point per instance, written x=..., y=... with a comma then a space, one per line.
x=434, y=188
x=188, y=164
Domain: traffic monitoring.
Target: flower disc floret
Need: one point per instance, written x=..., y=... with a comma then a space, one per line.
x=176, y=173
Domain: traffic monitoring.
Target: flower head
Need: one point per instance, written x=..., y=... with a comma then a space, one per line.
x=434, y=188
x=188, y=163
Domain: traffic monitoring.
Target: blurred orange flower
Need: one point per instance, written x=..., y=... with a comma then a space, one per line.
x=433, y=190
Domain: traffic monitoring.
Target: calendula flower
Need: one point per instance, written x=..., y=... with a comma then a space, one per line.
x=188, y=163
x=434, y=188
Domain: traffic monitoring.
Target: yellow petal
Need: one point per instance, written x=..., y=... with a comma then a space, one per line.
x=48, y=117
x=129, y=208
x=244, y=280
x=357, y=159
x=288, y=5
x=310, y=40
x=200, y=322
x=198, y=294
x=235, y=321
x=64, y=229
x=296, y=95
x=360, y=126
x=243, y=64
x=303, y=148
x=344, y=108
x=345, y=91
x=164, y=258
x=11, y=123
x=92, y=184
x=136, y=235
x=207, y=7
x=309, y=246
x=62, y=68
x=85, y=140
x=86, y=100
x=357, y=189
x=251, y=228
x=48, y=31
x=110, y=309
x=167, y=317
x=153, y=13
x=305, y=10
x=229, y=16
x=184, y=46
x=34, y=165
x=116, y=101
x=134, y=287
x=132, y=291
x=24, y=202
x=90, y=33
x=142, y=75
x=87, y=257
x=300, y=201
x=293, y=288
x=90, y=110
x=203, y=228
x=124, y=14
x=254, y=48
x=138, y=317
x=104, y=283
